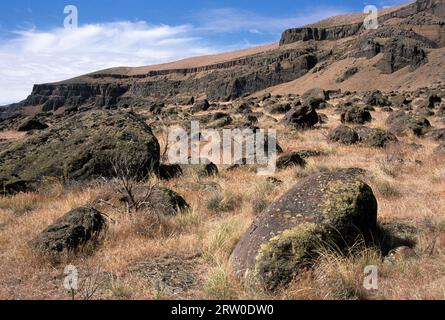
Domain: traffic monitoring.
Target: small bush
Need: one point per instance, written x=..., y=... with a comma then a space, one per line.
x=21, y=203
x=386, y=189
x=262, y=197
x=218, y=284
x=342, y=277
x=310, y=169
x=226, y=202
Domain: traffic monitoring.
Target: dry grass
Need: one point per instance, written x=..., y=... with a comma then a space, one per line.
x=222, y=209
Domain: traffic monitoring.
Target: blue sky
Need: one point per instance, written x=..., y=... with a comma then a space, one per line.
x=35, y=48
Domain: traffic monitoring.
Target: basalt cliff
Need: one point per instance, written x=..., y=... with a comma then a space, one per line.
x=337, y=53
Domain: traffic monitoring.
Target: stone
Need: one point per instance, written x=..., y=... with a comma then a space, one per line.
x=302, y=117
x=333, y=208
x=31, y=124
x=343, y=134
x=289, y=160
x=70, y=233
x=356, y=116
x=374, y=137
x=82, y=147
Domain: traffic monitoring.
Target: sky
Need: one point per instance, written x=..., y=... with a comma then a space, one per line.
x=36, y=47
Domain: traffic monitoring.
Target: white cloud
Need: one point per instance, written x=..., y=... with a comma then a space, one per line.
x=38, y=57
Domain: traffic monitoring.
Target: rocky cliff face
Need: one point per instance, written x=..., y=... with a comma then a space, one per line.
x=435, y=7
x=224, y=81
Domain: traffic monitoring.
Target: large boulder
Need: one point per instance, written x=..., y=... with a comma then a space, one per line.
x=73, y=231
x=375, y=98
x=81, y=147
x=334, y=209
x=301, y=117
x=401, y=123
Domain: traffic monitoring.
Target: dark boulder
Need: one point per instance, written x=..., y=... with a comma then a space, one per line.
x=72, y=232
x=333, y=208
x=169, y=171
x=302, y=117
x=289, y=160
x=279, y=108
x=199, y=106
x=356, y=116
x=31, y=124
x=343, y=134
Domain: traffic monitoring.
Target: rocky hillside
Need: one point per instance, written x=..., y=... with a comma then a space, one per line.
x=410, y=37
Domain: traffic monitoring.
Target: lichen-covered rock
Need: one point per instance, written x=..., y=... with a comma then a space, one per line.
x=343, y=134
x=81, y=147
x=333, y=208
x=76, y=229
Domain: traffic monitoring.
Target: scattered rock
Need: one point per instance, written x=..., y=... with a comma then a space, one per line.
x=347, y=74
x=199, y=106
x=437, y=135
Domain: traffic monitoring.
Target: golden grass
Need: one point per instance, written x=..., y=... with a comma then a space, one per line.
x=410, y=191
